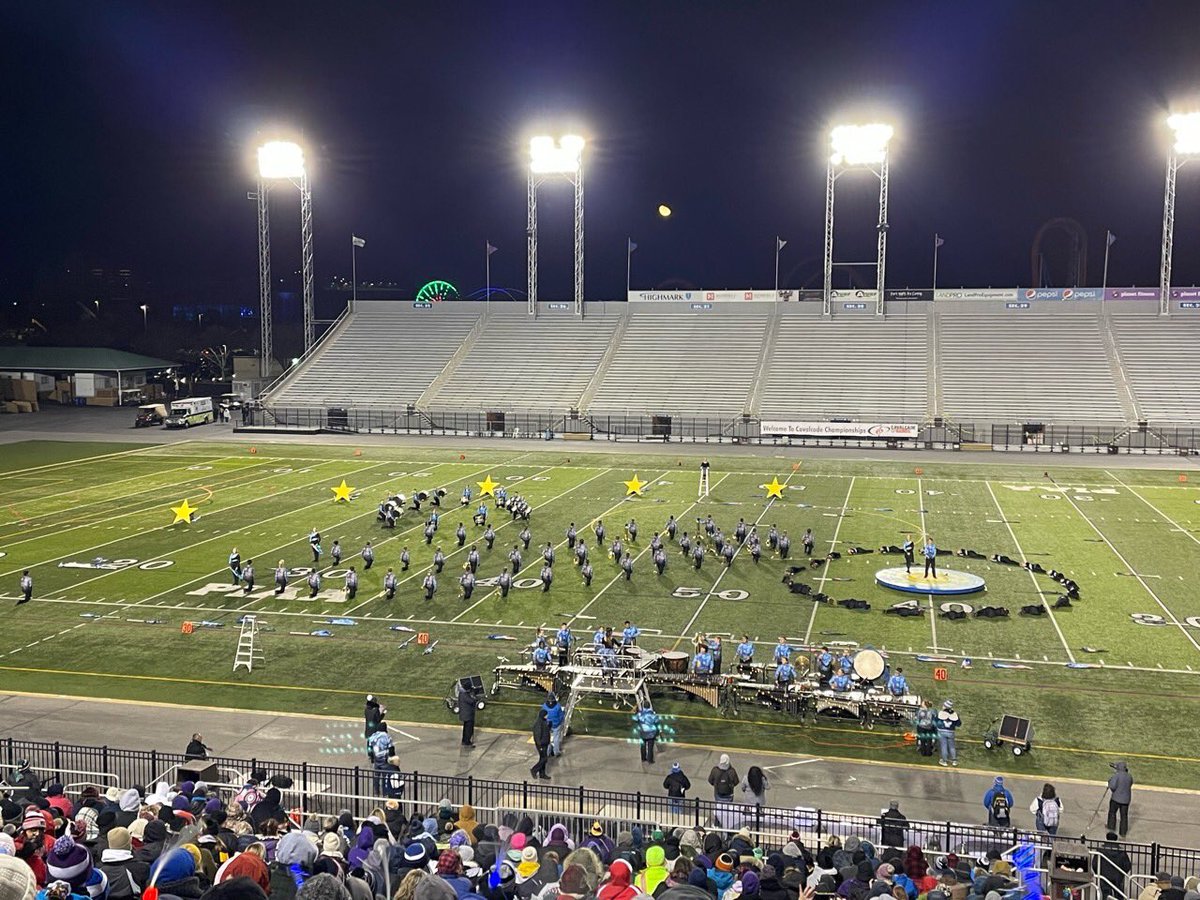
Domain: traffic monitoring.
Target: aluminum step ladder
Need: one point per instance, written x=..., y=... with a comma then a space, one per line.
x=247, y=650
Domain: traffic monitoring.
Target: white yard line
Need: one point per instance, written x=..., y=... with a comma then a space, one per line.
x=136, y=512
x=77, y=462
x=1191, y=537
x=166, y=504
x=1032, y=577
x=642, y=553
x=725, y=571
x=1132, y=571
x=825, y=569
x=467, y=545
x=924, y=533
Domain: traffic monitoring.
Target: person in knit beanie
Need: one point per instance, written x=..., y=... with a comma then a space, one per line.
x=16, y=879
x=323, y=887
x=246, y=865
x=71, y=862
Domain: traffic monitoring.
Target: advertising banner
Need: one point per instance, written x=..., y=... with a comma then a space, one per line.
x=907, y=294
x=1185, y=294
x=975, y=294
x=869, y=296
x=1131, y=293
x=701, y=296
x=891, y=431
x=1061, y=293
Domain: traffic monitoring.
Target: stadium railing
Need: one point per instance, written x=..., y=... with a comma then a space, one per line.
x=632, y=426
x=327, y=789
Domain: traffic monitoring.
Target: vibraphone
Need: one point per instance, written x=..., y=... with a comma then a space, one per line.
x=793, y=700
x=708, y=688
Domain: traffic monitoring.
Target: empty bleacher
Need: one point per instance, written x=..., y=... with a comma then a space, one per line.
x=857, y=366
x=1161, y=363
x=677, y=361
x=521, y=362
x=384, y=356
x=1042, y=365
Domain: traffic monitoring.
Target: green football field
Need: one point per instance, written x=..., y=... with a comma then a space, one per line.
x=1114, y=675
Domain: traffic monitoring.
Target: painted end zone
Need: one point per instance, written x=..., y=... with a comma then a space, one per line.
x=948, y=581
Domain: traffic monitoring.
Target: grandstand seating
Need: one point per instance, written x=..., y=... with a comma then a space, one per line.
x=972, y=362
x=383, y=356
x=679, y=362
x=1161, y=364
x=522, y=362
x=858, y=367
x=1013, y=368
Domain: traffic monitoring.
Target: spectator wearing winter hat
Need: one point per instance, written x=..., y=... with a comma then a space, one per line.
x=126, y=876
x=433, y=888
x=71, y=862
x=720, y=873
x=586, y=859
x=245, y=865
x=16, y=879
x=599, y=843
x=998, y=801
x=235, y=889
x=618, y=886
x=323, y=887
x=127, y=808
x=296, y=847
x=450, y=869
x=174, y=873
x=750, y=885
x=655, y=872
x=60, y=802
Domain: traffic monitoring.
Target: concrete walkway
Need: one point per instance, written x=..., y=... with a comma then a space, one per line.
x=1158, y=814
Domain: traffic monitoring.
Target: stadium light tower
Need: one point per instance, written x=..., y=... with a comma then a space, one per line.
x=1186, y=128
x=549, y=158
x=282, y=161
x=858, y=147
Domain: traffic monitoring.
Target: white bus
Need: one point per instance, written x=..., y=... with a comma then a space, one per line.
x=191, y=411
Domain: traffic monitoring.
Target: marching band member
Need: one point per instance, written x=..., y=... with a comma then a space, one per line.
x=897, y=685
x=351, y=583
x=368, y=556
x=281, y=579
x=782, y=650
x=389, y=584
x=745, y=653
x=840, y=682
x=785, y=674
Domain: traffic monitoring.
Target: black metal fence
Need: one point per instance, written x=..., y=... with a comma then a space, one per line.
x=636, y=426
x=326, y=789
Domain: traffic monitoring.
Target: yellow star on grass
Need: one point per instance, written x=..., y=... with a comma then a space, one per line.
x=342, y=492
x=774, y=489
x=183, y=512
x=487, y=487
x=634, y=485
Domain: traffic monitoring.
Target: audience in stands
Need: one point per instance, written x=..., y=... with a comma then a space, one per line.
x=193, y=842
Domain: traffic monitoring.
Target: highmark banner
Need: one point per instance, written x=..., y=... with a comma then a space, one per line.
x=889, y=431
x=702, y=297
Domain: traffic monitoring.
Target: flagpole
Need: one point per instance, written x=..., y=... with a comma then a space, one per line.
x=936, y=244
x=778, y=247
x=1108, y=242
x=628, y=263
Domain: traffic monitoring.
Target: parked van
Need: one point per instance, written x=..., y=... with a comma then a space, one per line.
x=191, y=411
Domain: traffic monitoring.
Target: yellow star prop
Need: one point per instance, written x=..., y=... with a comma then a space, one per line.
x=634, y=485
x=341, y=492
x=183, y=512
x=775, y=489
x=487, y=487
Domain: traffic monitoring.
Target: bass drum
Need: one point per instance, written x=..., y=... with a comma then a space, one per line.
x=675, y=662
x=869, y=665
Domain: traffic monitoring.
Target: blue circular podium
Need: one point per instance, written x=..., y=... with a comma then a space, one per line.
x=948, y=581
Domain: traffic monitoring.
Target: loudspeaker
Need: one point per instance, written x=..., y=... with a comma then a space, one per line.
x=199, y=770
x=660, y=426
x=495, y=421
x=1014, y=728
x=337, y=417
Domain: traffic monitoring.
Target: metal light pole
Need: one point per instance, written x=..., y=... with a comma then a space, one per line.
x=1186, y=146
x=858, y=147
x=1109, y=240
x=780, y=243
x=547, y=158
x=356, y=243
x=282, y=161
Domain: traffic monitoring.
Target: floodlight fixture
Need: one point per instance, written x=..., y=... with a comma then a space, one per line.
x=549, y=157
x=280, y=159
x=858, y=147
x=1187, y=133
x=1186, y=128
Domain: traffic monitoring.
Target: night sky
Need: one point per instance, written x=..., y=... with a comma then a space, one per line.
x=128, y=126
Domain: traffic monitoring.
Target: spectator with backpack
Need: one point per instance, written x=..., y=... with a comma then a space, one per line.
x=724, y=780
x=1047, y=810
x=998, y=801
